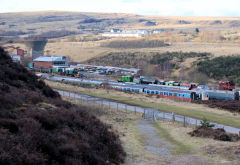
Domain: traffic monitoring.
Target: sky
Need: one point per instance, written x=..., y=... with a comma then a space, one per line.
x=142, y=7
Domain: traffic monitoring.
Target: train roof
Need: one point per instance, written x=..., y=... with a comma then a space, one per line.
x=169, y=89
x=152, y=87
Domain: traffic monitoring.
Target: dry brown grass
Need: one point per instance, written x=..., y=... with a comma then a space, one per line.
x=82, y=51
x=204, y=146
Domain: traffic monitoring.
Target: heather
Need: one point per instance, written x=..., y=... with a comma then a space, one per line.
x=38, y=127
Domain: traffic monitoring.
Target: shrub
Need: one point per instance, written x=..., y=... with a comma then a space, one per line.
x=206, y=123
x=56, y=133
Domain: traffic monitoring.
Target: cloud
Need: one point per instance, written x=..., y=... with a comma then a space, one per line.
x=153, y=7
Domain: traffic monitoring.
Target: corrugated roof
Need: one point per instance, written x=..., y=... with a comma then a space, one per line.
x=50, y=58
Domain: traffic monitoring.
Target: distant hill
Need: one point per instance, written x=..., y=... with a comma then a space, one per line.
x=36, y=23
x=38, y=127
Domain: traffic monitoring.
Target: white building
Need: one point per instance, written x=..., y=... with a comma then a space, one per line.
x=125, y=33
x=16, y=58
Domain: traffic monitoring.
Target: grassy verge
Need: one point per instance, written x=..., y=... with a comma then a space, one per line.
x=124, y=124
x=180, y=148
x=196, y=113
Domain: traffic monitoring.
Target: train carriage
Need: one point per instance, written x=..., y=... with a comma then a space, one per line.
x=176, y=94
x=223, y=95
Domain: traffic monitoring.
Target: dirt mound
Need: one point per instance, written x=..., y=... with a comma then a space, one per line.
x=38, y=127
x=218, y=134
x=230, y=105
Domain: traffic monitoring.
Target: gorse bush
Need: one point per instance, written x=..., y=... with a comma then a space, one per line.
x=38, y=127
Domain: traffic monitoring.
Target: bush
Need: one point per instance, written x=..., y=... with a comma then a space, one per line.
x=37, y=127
x=58, y=137
x=206, y=123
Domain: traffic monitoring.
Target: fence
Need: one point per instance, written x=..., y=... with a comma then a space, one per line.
x=147, y=113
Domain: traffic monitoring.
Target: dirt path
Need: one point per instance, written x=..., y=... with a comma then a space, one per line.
x=163, y=151
x=152, y=142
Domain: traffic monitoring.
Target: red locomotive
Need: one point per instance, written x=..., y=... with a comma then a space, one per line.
x=226, y=85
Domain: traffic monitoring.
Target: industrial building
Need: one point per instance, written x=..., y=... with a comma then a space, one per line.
x=47, y=63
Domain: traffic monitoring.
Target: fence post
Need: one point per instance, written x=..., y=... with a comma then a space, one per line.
x=173, y=116
x=74, y=99
x=126, y=107
x=152, y=115
x=163, y=116
x=102, y=103
x=144, y=113
x=135, y=109
x=117, y=106
x=196, y=123
x=69, y=94
x=184, y=121
x=109, y=105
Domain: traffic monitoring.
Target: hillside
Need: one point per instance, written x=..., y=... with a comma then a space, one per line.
x=38, y=127
x=71, y=23
x=221, y=68
x=168, y=65
x=180, y=66
x=41, y=23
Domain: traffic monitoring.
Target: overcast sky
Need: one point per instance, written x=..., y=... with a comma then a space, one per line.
x=149, y=7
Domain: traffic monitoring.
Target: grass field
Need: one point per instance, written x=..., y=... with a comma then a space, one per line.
x=183, y=108
x=82, y=51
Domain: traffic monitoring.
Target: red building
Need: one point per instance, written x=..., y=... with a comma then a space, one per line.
x=46, y=63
